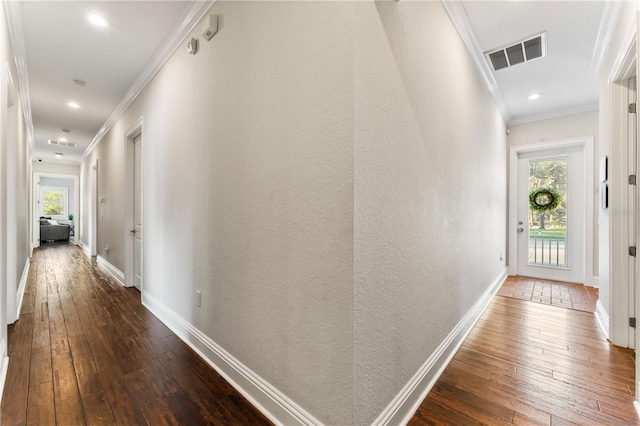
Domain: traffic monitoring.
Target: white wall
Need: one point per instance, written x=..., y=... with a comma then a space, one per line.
x=339, y=201
x=568, y=126
x=15, y=170
x=59, y=168
x=430, y=193
x=626, y=21
x=248, y=183
x=63, y=182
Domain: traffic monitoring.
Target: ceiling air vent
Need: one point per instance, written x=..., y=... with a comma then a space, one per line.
x=61, y=143
x=524, y=51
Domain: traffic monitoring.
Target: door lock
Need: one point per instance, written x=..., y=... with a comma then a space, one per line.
x=519, y=222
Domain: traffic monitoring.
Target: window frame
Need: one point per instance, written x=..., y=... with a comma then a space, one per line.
x=65, y=201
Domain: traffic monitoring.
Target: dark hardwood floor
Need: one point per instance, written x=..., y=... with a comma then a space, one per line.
x=534, y=364
x=85, y=351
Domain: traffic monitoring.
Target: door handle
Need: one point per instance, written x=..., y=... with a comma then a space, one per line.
x=520, y=230
x=133, y=232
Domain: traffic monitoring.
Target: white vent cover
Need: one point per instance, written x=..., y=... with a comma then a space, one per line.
x=524, y=51
x=60, y=143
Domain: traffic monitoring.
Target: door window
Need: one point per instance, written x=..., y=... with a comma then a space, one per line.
x=548, y=212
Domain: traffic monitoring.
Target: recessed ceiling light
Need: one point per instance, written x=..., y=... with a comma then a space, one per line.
x=72, y=105
x=534, y=96
x=79, y=82
x=58, y=155
x=99, y=21
x=66, y=130
x=63, y=139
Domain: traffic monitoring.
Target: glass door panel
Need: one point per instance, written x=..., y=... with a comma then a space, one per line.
x=548, y=187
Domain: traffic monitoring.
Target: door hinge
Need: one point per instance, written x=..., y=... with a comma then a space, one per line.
x=632, y=179
x=632, y=322
x=632, y=108
x=632, y=251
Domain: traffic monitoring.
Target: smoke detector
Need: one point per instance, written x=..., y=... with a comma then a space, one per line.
x=526, y=50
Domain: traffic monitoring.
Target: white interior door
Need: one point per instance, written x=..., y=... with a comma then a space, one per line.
x=137, y=214
x=93, y=229
x=551, y=245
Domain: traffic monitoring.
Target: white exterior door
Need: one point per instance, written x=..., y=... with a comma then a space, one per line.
x=551, y=244
x=137, y=215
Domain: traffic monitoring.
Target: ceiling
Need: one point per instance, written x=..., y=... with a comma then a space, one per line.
x=61, y=45
x=563, y=77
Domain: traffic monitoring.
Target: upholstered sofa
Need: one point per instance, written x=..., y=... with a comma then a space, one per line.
x=53, y=232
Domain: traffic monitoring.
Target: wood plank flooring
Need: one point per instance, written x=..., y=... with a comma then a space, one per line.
x=534, y=364
x=85, y=351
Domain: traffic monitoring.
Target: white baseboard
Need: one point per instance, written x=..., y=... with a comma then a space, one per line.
x=405, y=404
x=270, y=401
x=4, y=367
x=21, y=286
x=85, y=248
x=596, y=283
x=602, y=318
x=115, y=272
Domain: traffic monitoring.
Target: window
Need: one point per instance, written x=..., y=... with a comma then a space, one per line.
x=54, y=201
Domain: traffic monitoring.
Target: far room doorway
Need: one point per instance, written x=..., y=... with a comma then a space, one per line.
x=551, y=211
x=56, y=206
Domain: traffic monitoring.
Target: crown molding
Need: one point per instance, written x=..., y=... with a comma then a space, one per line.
x=554, y=114
x=13, y=10
x=605, y=32
x=624, y=64
x=186, y=24
x=460, y=20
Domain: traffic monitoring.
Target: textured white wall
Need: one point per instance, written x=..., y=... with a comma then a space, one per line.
x=627, y=19
x=568, y=126
x=22, y=171
x=248, y=181
x=111, y=189
x=332, y=177
x=430, y=193
x=65, y=169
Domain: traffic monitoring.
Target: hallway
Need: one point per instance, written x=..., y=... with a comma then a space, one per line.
x=86, y=351
x=530, y=363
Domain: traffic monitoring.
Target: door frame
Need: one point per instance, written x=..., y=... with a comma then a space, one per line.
x=624, y=67
x=619, y=262
x=130, y=135
x=36, y=204
x=586, y=142
x=93, y=215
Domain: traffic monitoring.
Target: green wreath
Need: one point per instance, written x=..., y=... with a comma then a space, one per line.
x=543, y=199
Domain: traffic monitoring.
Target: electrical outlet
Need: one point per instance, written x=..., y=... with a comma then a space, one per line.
x=198, y=299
